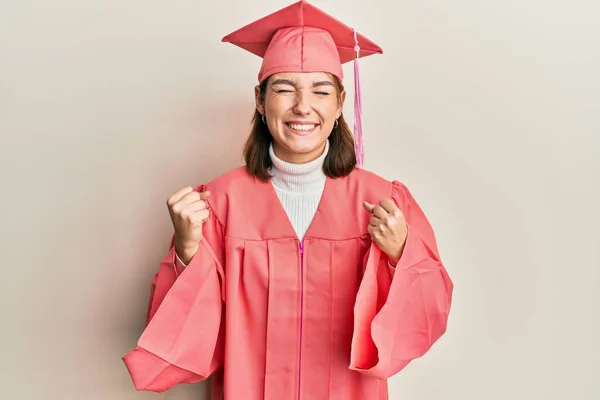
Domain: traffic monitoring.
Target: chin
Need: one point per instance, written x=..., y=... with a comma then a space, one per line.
x=306, y=148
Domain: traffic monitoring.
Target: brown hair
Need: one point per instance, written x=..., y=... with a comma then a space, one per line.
x=340, y=159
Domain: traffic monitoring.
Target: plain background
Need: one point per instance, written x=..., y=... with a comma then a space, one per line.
x=488, y=110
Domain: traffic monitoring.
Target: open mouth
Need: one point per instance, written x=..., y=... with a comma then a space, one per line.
x=302, y=127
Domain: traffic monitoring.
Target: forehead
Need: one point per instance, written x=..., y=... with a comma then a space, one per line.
x=303, y=78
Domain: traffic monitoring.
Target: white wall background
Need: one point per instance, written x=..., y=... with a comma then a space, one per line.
x=489, y=111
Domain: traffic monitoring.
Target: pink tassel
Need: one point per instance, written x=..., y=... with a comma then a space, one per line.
x=358, y=134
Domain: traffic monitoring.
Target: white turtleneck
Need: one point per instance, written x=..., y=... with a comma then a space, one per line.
x=299, y=187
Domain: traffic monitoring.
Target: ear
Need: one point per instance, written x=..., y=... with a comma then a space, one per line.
x=341, y=105
x=260, y=101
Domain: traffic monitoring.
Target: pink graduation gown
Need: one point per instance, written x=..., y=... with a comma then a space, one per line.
x=272, y=317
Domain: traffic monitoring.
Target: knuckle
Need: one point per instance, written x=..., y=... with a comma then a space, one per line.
x=185, y=214
x=195, y=219
x=176, y=208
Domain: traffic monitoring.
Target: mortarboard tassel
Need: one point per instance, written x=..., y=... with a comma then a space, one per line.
x=358, y=134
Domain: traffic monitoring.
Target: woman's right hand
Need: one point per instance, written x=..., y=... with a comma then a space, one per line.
x=188, y=212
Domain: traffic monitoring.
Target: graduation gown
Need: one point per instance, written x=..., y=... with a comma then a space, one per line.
x=273, y=317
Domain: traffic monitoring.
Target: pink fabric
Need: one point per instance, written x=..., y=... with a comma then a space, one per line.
x=301, y=49
x=300, y=38
x=269, y=322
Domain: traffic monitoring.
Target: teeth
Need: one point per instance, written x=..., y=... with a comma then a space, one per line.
x=302, y=127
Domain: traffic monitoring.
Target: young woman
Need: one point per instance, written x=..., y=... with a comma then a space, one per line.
x=298, y=275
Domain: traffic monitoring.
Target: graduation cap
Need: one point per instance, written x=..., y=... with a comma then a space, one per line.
x=303, y=38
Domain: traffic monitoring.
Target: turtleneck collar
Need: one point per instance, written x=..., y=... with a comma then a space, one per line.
x=305, y=178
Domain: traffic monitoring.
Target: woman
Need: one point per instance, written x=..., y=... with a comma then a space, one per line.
x=297, y=276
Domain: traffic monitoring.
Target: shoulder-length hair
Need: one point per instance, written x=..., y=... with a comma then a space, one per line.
x=340, y=159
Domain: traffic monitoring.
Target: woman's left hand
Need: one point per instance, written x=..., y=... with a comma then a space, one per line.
x=387, y=228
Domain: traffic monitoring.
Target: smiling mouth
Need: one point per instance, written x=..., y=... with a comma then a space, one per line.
x=302, y=128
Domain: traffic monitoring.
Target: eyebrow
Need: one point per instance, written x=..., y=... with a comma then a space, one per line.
x=291, y=83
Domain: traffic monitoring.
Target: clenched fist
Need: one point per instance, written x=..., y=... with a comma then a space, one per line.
x=387, y=228
x=188, y=212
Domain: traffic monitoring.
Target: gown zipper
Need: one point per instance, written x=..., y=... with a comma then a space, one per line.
x=301, y=246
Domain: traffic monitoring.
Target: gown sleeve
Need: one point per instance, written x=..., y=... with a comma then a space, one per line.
x=400, y=312
x=183, y=338
x=169, y=270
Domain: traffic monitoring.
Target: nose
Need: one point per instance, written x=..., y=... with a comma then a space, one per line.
x=302, y=106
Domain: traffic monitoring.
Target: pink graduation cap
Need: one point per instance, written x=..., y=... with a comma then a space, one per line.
x=303, y=38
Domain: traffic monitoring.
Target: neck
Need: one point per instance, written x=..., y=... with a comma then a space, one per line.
x=291, y=177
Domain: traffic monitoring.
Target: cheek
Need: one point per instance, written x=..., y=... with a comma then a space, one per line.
x=328, y=109
x=276, y=105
